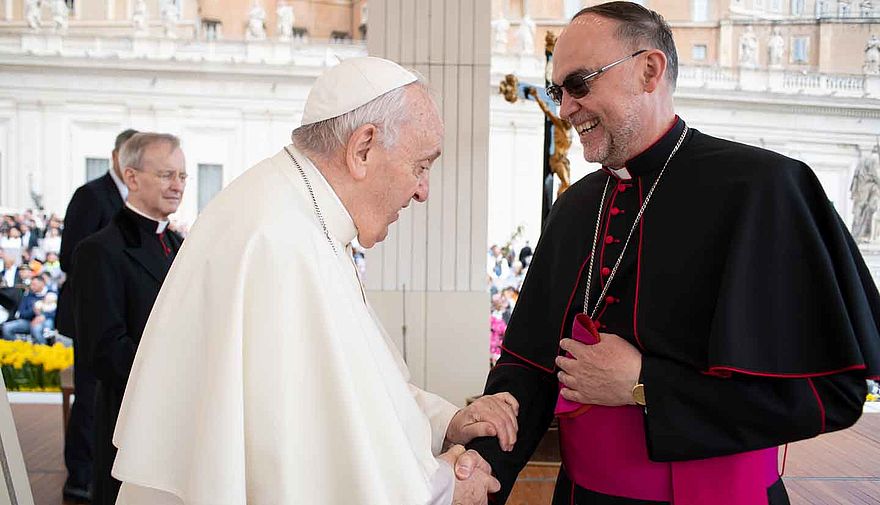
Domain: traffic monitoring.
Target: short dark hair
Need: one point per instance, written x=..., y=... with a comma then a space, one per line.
x=123, y=137
x=639, y=25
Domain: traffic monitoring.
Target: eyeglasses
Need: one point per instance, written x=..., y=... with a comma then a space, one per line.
x=166, y=176
x=578, y=83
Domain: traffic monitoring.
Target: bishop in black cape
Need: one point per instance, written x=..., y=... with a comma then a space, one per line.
x=755, y=314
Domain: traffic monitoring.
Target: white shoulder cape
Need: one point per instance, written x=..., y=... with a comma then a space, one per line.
x=261, y=377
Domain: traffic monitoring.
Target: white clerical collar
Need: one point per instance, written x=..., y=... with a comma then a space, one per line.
x=160, y=225
x=123, y=189
x=336, y=217
x=621, y=173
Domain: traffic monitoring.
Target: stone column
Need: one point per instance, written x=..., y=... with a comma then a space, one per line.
x=434, y=261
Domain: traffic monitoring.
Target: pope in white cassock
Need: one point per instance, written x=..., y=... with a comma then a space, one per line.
x=263, y=375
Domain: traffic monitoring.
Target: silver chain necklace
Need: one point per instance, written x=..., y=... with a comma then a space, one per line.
x=628, y=237
x=314, y=201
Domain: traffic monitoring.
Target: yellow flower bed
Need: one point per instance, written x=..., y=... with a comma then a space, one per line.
x=33, y=367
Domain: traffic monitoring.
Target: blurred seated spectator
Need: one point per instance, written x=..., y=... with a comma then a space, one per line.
x=25, y=274
x=29, y=238
x=52, y=266
x=27, y=312
x=501, y=308
x=525, y=254
x=52, y=241
x=11, y=274
x=511, y=295
x=516, y=276
x=43, y=323
x=12, y=239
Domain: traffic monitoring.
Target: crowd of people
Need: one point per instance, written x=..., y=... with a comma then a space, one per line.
x=506, y=269
x=29, y=246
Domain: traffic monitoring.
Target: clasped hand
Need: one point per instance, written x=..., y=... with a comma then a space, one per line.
x=473, y=476
x=599, y=374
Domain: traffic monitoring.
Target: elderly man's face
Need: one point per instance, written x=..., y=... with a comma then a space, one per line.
x=607, y=118
x=402, y=171
x=157, y=188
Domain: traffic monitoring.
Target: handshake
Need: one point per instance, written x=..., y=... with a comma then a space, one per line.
x=488, y=416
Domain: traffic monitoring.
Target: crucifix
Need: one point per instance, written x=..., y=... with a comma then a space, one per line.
x=557, y=139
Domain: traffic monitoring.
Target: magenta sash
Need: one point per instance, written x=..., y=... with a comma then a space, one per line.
x=604, y=450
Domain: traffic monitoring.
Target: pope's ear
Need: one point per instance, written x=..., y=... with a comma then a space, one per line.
x=358, y=150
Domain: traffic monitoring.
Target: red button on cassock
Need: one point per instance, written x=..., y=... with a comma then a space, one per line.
x=609, y=239
x=621, y=187
x=610, y=299
x=615, y=211
x=606, y=271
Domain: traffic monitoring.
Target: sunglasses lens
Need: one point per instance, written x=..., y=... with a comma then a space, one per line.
x=576, y=86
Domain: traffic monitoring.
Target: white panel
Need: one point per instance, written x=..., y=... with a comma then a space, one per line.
x=376, y=27
x=422, y=30
x=408, y=32
x=482, y=33
x=389, y=306
x=435, y=52
x=462, y=340
x=392, y=30
x=435, y=201
x=479, y=176
x=419, y=249
x=419, y=239
x=466, y=32
x=404, y=231
x=375, y=266
x=465, y=167
x=449, y=175
x=451, y=31
x=389, y=257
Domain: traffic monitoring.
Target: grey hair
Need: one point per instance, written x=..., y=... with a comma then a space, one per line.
x=387, y=112
x=132, y=152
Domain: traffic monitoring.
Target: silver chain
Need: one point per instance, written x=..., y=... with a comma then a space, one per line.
x=314, y=201
x=628, y=237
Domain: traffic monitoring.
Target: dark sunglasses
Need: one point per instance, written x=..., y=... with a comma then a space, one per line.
x=578, y=83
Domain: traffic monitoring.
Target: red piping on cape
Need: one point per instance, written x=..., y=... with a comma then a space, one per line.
x=497, y=365
x=568, y=307
x=726, y=371
x=638, y=274
x=819, y=402
x=517, y=356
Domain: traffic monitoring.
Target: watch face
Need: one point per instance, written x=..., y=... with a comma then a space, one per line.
x=638, y=394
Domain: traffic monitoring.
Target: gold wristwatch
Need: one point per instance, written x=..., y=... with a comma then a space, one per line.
x=638, y=394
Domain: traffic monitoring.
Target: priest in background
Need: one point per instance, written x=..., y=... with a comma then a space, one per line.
x=117, y=273
x=263, y=376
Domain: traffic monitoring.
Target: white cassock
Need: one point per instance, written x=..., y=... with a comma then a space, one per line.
x=263, y=376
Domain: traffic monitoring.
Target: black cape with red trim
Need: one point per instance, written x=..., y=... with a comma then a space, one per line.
x=740, y=275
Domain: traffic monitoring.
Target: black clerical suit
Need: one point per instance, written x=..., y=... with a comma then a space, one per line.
x=754, y=312
x=91, y=208
x=118, y=273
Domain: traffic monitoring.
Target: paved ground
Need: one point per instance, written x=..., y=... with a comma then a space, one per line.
x=838, y=468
